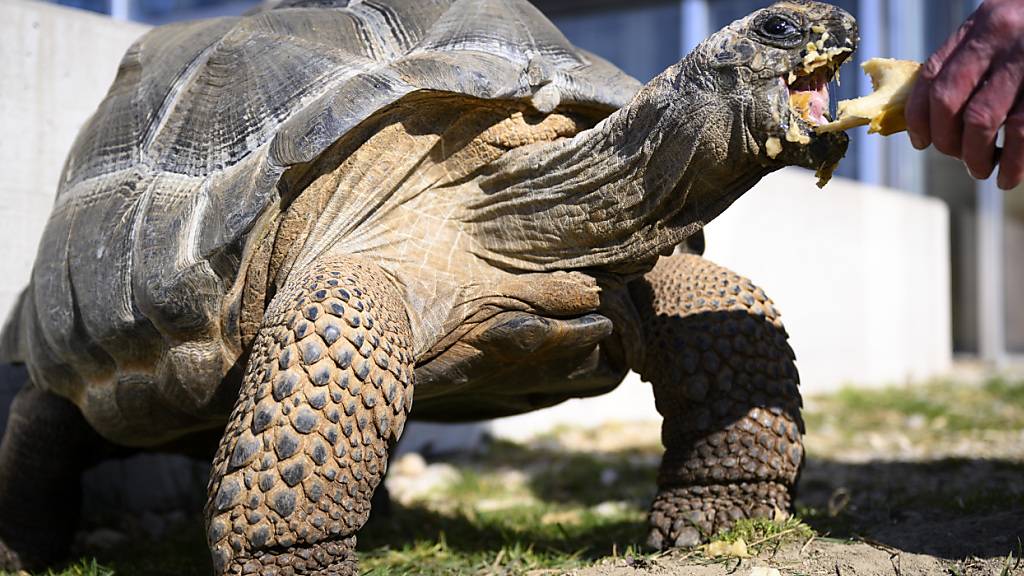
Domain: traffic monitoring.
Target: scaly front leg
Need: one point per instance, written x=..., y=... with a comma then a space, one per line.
x=326, y=392
x=725, y=382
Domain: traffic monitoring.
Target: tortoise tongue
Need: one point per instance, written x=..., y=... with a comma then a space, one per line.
x=812, y=103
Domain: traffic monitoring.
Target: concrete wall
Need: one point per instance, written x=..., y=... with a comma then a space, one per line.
x=861, y=275
x=57, y=66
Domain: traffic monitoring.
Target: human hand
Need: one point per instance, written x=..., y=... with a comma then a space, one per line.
x=969, y=88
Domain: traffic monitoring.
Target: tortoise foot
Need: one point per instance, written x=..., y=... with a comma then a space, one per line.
x=687, y=516
x=336, y=558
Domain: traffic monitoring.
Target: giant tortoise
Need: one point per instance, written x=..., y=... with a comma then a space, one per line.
x=278, y=226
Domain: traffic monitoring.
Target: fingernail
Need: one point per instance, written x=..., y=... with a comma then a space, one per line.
x=916, y=142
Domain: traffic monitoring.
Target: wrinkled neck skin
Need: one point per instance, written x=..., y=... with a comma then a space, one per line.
x=628, y=190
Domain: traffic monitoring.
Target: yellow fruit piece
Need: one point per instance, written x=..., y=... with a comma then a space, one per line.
x=801, y=103
x=882, y=110
x=720, y=548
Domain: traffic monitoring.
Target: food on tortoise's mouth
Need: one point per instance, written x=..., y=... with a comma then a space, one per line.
x=808, y=85
x=809, y=97
x=883, y=110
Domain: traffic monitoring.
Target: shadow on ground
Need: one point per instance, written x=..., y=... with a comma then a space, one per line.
x=950, y=509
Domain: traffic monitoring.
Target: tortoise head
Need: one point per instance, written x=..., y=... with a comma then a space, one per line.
x=689, y=143
x=775, y=66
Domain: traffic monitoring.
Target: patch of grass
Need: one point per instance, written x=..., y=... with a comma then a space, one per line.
x=437, y=558
x=759, y=533
x=84, y=567
x=515, y=540
x=557, y=475
x=1009, y=392
x=839, y=527
x=516, y=510
x=561, y=503
x=936, y=407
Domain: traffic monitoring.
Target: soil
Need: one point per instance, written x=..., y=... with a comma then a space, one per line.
x=813, y=559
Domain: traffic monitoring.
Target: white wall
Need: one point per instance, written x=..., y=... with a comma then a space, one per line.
x=860, y=274
x=57, y=66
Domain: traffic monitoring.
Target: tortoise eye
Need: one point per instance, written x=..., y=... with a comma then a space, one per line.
x=779, y=27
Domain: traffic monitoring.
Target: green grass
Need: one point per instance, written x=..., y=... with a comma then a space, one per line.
x=484, y=524
x=519, y=509
x=940, y=406
x=82, y=568
x=761, y=533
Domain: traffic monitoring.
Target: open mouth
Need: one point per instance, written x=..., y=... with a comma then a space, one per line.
x=809, y=96
x=807, y=86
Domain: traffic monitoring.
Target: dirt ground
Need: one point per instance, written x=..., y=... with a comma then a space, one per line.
x=816, y=558
x=943, y=516
x=916, y=480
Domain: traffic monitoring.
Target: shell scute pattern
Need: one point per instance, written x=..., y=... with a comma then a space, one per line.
x=188, y=150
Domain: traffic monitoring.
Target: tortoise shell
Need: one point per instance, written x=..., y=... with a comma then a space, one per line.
x=187, y=151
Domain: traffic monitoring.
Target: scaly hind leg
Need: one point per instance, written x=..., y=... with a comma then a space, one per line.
x=725, y=381
x=325, y=395
x=44, y=450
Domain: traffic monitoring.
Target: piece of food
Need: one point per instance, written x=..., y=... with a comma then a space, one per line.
x=808, y=86
x=809, y=95
x=883, y=110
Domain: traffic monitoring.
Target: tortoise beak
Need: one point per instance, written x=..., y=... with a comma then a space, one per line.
x=835, y=38
x=822, y=155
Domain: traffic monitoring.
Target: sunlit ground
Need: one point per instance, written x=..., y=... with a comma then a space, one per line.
x=930, y=471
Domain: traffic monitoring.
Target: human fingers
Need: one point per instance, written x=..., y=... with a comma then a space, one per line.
x=1011, y=163
x=917, y=110
x=952, y=88
x=987, y=110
